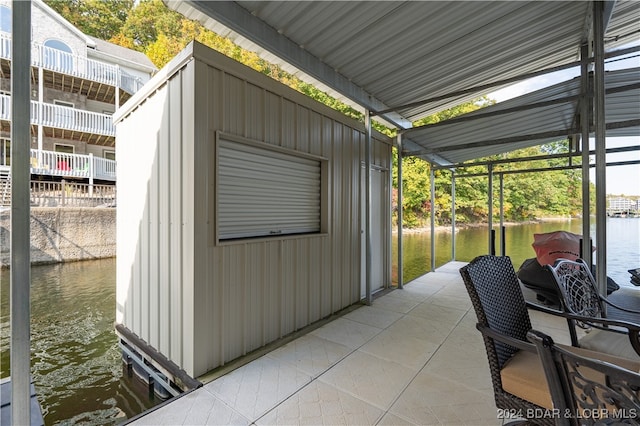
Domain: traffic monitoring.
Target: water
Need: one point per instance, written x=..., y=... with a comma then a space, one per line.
x=623, y=246
x=76, y=363
x=75, y=360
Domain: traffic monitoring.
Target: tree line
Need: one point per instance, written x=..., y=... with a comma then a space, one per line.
x=149, y=26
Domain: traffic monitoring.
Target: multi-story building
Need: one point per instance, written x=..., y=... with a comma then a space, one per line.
x=77, y=83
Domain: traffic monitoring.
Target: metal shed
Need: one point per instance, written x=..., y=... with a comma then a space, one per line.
x=240, y=211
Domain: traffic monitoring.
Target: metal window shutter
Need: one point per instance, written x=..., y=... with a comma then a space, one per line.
x=263, y=192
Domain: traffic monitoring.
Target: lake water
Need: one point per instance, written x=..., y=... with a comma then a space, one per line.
x=75, y=357
x=75, y=360
x=623, y=246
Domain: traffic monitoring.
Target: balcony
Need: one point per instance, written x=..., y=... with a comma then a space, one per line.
x=72, y=165
x=66, y=71
x=70, y=123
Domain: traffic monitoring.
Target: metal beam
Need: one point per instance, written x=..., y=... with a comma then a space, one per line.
x=600, y=135
x=237, y=19
x=400, y=259
x=585, y=107
x=432, y=177
x=367, y=205
x=529, y=137
x=20, y=214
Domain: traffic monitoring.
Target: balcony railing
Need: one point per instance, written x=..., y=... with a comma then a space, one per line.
x=75, y=65
x=62, y=117
x=72, y=165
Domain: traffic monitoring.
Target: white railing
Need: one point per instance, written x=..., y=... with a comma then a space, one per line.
x=75, y=65
x=72, y=165
x=62, y=117
x=56, y=194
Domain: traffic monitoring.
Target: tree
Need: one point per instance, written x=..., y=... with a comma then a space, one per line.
x=102, y=19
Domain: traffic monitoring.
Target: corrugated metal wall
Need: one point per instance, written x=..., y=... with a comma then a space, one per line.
x=203, y=303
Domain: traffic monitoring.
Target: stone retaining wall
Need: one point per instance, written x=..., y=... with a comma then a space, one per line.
x=60, y=234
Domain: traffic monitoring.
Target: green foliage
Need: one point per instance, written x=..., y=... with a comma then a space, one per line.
x=99, y=18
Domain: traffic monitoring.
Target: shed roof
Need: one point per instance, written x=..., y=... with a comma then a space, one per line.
x=390, y=56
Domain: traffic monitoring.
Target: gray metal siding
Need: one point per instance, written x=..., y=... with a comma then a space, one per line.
x=200, y=302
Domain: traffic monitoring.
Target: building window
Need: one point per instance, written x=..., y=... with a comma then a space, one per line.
x=264, y=190
x=109, y=155
x=58, y=56
x=64, y=116
x=5, y=19
x=5, y=104
x=65, y=149
x=5, y=152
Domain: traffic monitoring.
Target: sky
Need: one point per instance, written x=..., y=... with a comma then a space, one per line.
x=620, y=179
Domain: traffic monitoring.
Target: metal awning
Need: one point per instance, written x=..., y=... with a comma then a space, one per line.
x=543, y=116
x=388, y=56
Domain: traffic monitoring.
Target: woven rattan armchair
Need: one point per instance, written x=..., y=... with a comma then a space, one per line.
x=519, y=384
x=587, y=390
x=517, y=375
x=579, y=296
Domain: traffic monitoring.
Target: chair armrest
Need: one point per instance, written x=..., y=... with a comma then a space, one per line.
x=607, y=324
x=610, y=303
x=508, y=340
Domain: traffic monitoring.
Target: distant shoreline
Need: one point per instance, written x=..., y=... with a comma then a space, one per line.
x=447, y=228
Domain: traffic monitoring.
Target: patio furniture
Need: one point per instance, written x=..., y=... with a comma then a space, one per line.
x=517, y=374
x=589, y=390
x=579, y=295
x=519, y=384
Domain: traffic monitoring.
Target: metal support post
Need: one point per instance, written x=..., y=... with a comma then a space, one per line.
x=490, y=205
x=502, y=247
x=601, y=158
x=367, y=227
x=399, y=154
x=585, y=108
x=20, y=214
x=433, y=218
x=453, y=214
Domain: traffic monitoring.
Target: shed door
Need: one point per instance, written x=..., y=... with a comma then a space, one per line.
x=263, y=192
x=378, y=190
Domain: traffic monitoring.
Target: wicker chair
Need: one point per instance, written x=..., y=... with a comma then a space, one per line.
x=579, y=296
x=519, y=384
x=587, y=390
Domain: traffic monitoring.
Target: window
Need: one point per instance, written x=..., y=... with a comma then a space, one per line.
x=64, y=116
x=5, y=19
x=5, y=104
x=109, y=155
x=263, y=190
x=66, y=149
x=58, y=56
x=5, y=152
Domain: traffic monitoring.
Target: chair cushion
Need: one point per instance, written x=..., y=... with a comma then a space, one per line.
x=523, y=376
x=610, y=343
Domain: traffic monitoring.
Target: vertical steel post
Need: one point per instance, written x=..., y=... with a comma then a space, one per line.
x=585, y=108
x=502, y=248
x=601, y=145
x=399, y=155
x=367, y=227
x=20, y=214
x=433, y=217
x=490, y=205
x=453, y=214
